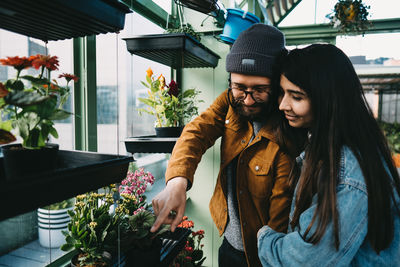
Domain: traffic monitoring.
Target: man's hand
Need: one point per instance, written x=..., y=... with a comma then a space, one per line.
x=169, y=204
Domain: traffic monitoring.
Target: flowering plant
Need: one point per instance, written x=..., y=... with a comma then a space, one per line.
x=132, y=190
x=167, y=103
x=350, y=16
x=93, y=229
x=192, y=253
x=29, y=111
x=138, y=218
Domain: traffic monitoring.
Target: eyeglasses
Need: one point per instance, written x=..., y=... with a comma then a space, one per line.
x=259, y=93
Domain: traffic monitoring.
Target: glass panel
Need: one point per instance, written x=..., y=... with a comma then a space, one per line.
x=313, y=11
x=20, y=235
x=119, y=76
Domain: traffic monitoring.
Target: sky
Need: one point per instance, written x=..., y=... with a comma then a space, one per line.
x=371, y=45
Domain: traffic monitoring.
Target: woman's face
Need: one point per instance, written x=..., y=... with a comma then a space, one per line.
x=295, y=103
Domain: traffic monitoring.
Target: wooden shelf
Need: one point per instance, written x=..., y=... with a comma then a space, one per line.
x=50, y=20
x=77, y=172
x=150, y=144
x=175, y=50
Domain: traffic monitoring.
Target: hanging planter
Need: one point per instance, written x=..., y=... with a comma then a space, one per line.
x=350, y=16
x=236, y=22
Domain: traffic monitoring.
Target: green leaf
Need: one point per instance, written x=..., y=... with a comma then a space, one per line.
x=60, y=114
x=53, y=132
x=66, y=247
x=15, y=85
x=6, y=125
x=145, y=84
x=34, y=80
x=24, y=98
x=148, y=79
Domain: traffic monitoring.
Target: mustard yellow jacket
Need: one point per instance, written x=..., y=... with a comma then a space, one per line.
x=262, y=186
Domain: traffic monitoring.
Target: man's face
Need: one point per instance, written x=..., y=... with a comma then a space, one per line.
x=250, y=95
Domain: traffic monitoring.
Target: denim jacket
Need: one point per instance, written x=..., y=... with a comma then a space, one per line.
x=278, y=249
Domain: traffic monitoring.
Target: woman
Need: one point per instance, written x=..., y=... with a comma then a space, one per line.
x=345, y=210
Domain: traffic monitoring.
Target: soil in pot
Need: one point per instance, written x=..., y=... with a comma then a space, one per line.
x=20, y=162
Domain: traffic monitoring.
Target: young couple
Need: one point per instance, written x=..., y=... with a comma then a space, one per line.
x=344, y=186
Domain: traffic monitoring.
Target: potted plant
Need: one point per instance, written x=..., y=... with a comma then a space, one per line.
x=28, y=107
x=93, y=229
x=350, y=16
x=171, y=106
x=392, y=133
x=192, y=253
x=140, y=246
x=52, y=220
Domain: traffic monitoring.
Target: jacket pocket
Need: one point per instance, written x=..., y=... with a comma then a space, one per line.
x=260, y=178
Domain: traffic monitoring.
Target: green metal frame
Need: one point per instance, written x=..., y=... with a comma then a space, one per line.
x=306, y=34
x=152, y=12
x=85, y=93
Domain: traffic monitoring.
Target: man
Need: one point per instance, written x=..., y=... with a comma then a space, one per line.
x=252, y=188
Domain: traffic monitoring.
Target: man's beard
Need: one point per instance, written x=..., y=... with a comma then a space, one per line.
x=261, y=115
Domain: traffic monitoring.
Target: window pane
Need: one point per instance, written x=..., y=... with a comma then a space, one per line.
x=119, y=76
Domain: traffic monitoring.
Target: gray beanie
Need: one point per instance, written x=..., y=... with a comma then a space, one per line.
x=254, y=50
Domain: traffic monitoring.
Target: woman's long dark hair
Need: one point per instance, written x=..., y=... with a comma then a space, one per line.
x=341, y=117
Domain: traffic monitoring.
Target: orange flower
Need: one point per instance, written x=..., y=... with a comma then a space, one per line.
x=161, y=78
x=69, y=77
x=52, y=86
x=19, y=63
x=3, y=90
x=49, y=62
x=186, y=224
x=149, y=72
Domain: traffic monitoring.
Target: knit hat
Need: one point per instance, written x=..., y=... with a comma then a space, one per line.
x=255, y=50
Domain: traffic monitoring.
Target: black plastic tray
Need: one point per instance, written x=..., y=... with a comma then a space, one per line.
x=172, y=244
x=177, y=50
x=59, y=19
x=77, y=172
x=150, y=144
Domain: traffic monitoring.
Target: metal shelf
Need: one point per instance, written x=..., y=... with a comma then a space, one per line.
x=77, y=172
x=176, y=50
x=150, y=144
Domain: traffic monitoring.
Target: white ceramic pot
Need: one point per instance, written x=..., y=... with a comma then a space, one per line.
x=50, y=225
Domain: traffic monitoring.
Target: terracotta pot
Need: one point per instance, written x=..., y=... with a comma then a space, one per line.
x=168, y=131
x=20, y=162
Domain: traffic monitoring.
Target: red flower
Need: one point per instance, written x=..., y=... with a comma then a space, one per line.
x=49, y=62
x=69, y=77
x=173, y=88
x=3, y=90
x=186, y=224
x=189, y=249
x=19, y=63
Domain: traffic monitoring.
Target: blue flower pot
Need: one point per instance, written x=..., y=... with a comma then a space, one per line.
x=237, y=21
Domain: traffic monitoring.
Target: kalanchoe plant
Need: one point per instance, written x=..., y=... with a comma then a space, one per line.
x=137, y=229
x=30, y=105
x=93, y=229
x=192, y=253
x=171, y=106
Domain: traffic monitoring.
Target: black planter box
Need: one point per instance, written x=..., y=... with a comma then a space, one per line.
x=171, y=245
x=175, y=50
x=150, y=144
x=77, y=172
x=62, y=19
